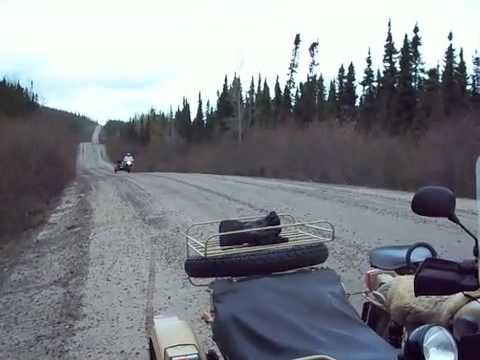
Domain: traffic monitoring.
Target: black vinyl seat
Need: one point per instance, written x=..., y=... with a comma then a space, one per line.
x=286, y=316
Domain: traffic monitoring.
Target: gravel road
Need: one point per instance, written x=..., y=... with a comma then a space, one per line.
x=111, y=255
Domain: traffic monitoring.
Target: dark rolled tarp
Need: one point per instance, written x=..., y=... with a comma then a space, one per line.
x=290, y=315
x=254, y=237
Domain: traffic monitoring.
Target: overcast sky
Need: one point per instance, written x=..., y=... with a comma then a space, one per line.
x=112, y=58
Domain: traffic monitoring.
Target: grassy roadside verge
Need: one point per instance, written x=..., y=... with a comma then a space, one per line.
x=38, y=159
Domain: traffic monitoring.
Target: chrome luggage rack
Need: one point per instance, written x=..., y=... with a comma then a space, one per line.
x=203, y=239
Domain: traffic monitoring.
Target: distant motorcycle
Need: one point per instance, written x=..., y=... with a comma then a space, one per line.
x=123, y=166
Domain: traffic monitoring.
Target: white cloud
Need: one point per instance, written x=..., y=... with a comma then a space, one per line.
x=114, y=58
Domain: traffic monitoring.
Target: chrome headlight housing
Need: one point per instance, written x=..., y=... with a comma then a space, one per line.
x=439, y=344
x=431, y=342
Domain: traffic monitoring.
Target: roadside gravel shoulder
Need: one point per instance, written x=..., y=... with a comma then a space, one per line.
x=40, y=294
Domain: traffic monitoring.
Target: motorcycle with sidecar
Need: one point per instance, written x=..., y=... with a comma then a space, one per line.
x=271, y=299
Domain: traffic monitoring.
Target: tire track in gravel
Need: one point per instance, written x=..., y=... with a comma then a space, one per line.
x=140, y=200
x=213, y=192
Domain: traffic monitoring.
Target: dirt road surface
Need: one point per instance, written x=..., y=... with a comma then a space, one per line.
x=111, y=255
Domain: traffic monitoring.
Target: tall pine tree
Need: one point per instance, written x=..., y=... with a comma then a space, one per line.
x=340, y=90
x=251, y=104
x=367, y=108
x=292, y=70
x=331, y=109
x=417, y=62
x=462, y=77
x=349, y=94
x=449, y=88
x=406, y=97
x=387, y=90
x=475, y=88
x=321, y=101
x=198, y=125
x=277, y=101
x=225, y=107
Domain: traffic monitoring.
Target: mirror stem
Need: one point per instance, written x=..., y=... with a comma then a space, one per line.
x=455, y=219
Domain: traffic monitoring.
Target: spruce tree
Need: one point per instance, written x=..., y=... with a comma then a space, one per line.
x=461, y=77
x=340, y=82
x=183, y=121
x=417, y=62
x=387, y=89
x=367, y=108
x=198, y=125
x=209, y=120
x=349, y=93
x=286, y=101
x=199, y=116
x=389, y=60
x=321, y=101
x=292, y=68
x=297, y=101
x=475, y=89
x=332, y=100
x=431, y=104
x=267, y=105
x=251, y=104
x=368, y=87
x=277, y=101
x=340, y=91
x=406, y=98
x=313, y=50
x=449, y=88
x=259, y=97
x=225, y=107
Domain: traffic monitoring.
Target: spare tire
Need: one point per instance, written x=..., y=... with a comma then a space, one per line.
x=257, y=263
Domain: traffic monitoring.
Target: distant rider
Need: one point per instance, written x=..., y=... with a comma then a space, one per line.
x=128, y=157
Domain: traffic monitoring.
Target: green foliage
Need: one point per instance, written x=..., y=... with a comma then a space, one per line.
x=475, y=88
x=349, y=97
x=224, y=106
x=406, y=97
x=449, y=89
x=418, y=71
x=16, y=100
x=198, y=125
x=292, y=70
x=332, y=100
x=462, y=76
x=277, y=100
x=320, y=99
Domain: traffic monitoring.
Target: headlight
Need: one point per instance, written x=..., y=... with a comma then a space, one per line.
x=431, y=342
x=129, y=163
x=439, y=344
x=186, y=357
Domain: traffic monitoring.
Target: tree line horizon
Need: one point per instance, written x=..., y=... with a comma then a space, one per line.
x=403, y=97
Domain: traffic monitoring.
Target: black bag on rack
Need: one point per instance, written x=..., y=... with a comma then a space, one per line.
x=254, y=237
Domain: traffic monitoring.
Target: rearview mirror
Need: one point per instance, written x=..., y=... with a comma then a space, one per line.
x=434, y=201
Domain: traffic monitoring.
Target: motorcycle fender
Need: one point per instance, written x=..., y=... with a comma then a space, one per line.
x=171, y=336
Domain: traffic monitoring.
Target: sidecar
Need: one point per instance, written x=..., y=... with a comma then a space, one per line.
x=269, y=301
